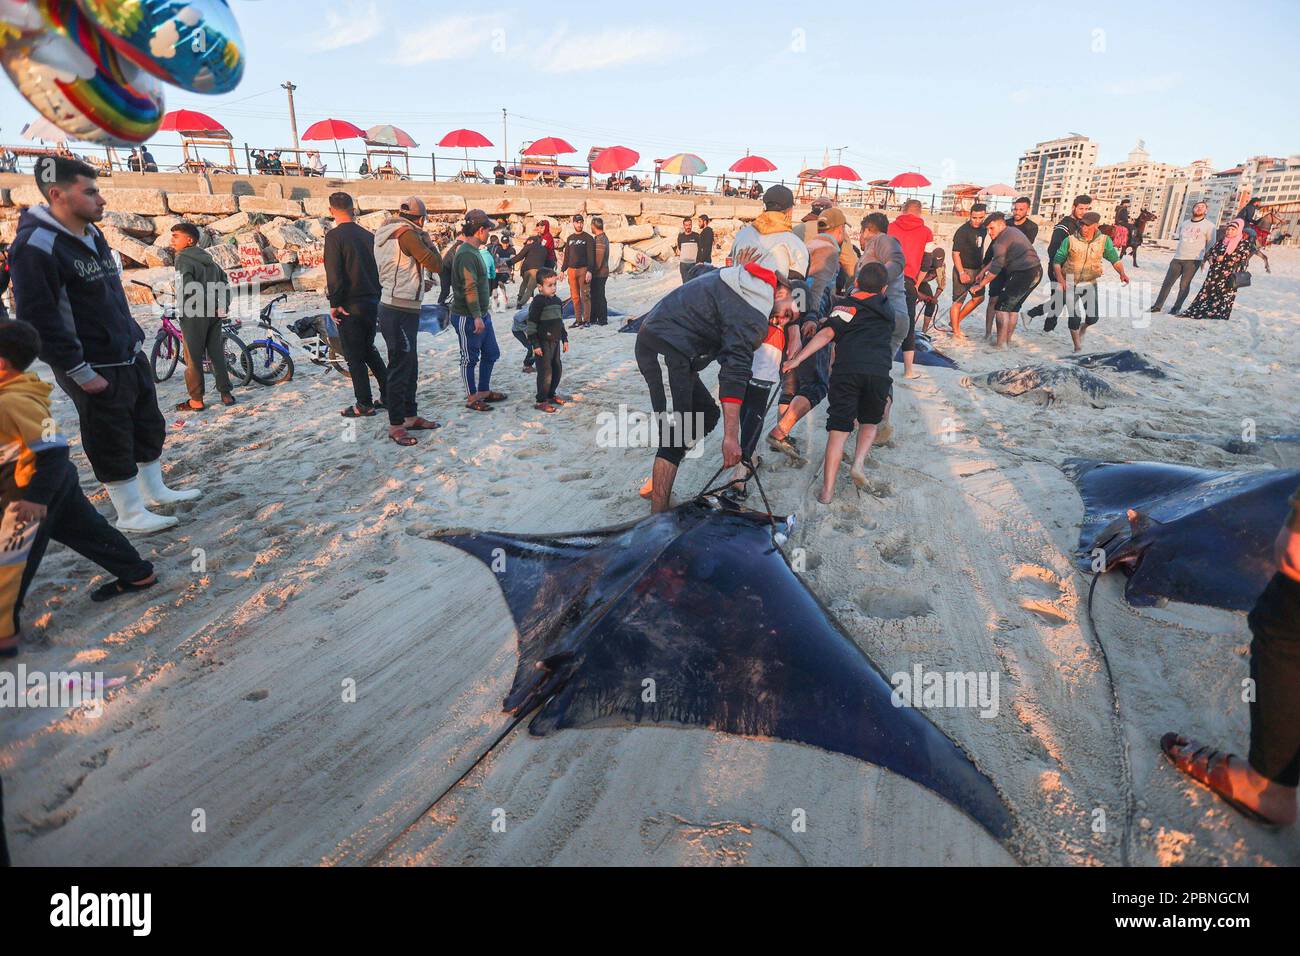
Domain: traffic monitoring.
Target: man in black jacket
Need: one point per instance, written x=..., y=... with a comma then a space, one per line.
x=533, y=254
x=720, y=315
x=1067, y=227
x=599, y=272
x=352, y=286
x=706, y=240
x=577, y=266
x=67, y=285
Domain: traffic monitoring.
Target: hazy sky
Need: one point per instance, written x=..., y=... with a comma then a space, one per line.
x=956, y=90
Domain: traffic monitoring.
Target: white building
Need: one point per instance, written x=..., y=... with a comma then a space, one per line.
x=1145, y=184
x=1054, y=172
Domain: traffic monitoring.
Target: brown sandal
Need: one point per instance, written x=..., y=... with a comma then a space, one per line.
x=479, y=406
x=545, y=407
x=402, y=438
x=423, y=425
x=1209, y=768
x=495, y=397
x=185, y=406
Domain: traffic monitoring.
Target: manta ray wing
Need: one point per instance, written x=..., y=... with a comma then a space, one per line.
x=693, y=618
x=1204, y=537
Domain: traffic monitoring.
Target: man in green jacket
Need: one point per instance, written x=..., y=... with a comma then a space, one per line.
x=201, y=299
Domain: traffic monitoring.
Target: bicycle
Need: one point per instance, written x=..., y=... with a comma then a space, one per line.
x=272, y=357
x=169, y=347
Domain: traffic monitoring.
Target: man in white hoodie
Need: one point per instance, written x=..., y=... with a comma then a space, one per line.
x=722, y=315
x=1195, y=238
x=408, y=261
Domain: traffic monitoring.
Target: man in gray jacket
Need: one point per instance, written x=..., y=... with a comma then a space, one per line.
x=1195, y=238
x=878, y=246
x=1011, y=256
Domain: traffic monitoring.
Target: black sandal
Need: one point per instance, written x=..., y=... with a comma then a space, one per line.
x=479, y=406
x=106, y=592
x=185, y=406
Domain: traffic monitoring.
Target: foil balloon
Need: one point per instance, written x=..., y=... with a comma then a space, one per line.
x=193, y=44
x=70, y=73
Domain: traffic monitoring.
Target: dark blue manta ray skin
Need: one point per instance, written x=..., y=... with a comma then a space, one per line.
x=699, y=600
x=1183, y=534
x=1123, y=361
x=927, y=354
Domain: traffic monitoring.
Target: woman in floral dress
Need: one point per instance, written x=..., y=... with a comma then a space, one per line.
x=1228, y=257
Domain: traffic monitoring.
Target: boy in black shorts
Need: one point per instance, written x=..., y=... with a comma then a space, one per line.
x=861, y=325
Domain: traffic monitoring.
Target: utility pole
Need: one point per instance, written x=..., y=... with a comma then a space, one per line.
x=505, y=139
x=293, y=117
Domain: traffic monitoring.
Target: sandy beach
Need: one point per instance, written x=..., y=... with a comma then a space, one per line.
x=317, y=568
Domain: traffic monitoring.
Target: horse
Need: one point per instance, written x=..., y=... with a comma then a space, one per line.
x=1135, y=230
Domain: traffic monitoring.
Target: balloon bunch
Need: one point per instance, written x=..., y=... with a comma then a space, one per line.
x=92, y=67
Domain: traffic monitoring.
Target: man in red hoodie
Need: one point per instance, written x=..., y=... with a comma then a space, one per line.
x=913, y=235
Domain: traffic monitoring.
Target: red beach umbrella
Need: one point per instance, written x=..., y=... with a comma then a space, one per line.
x=336, y=130
x=908, y=181
x=548, y=146
x=752, y=164
x=841, y=172
x=193, y=123
x=838, y=173
x=466, y=139
x=615, y=159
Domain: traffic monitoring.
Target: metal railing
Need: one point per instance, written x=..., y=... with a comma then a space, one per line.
x=415, y=166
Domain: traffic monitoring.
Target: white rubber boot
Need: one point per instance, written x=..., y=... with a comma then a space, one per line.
x=157, y=493
x=132, y=515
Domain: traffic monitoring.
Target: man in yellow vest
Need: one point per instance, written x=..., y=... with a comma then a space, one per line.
x=1080, y=257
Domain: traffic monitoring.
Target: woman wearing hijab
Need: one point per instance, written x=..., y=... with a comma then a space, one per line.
x=1230, y=256
x=548, y=240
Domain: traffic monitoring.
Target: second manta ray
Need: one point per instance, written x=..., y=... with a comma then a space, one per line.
x=700, y=602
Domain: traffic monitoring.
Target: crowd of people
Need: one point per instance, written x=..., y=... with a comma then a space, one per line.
x=798, y=314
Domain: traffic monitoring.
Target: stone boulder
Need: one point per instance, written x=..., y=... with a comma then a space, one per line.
x=282, y=234
x=271, y=207
x=316, y=228
x=317, y=206
x=226, y=255
x=232, y=224
x=655, y=205
x=634, y=260
x=132, y=250
x=222, y=204
x=613, y=205
x=140, y=227
x=311, y=279
x=630, y=233
x=142, y=202
x=373, y=220
x=26, y=195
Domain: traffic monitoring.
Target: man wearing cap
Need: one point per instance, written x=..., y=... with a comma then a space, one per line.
x=408, y=261
x=706, y=239
x=772, y=234
x=1066, y=227
x=1079, y=257
x=577, y=266
x=471, y=315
